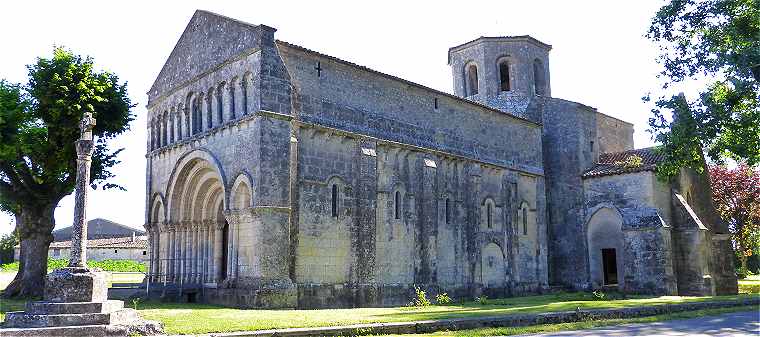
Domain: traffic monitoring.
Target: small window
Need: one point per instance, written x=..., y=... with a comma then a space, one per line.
x=232, y=100
x=591, y=146
x=472, y=80
x=115, y=251
x=244, y=93
x=397, y=205
x=335, y=200
x=448, y=211
x=489, y=215
x=145, y=252
x=525, y=220
x=504, y=76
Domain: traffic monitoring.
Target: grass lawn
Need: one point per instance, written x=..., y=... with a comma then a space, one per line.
x=750, y=285
x=549, y=328
x=183, y=318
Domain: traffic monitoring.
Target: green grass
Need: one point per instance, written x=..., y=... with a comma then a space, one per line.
x=750, y=285
x=106, y=265
x=549, y=328
x=10, y=305
x=184, y=318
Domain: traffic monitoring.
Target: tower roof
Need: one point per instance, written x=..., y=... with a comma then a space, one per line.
x=519, y=38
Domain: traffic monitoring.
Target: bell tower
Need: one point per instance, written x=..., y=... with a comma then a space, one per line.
x=505, y=73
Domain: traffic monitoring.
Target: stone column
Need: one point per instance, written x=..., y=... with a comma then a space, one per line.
x=84, y=146
x=218, y=252
x=178, y=124
x=196, y=251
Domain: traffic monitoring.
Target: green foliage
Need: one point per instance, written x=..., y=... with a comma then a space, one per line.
x=598, y=295
x=482, y=299
x=106, y=265
x=420, y=298
x=443, y=299
x=631, y=162
x=7, y=244
x=39, y=123
x=135, y=302
x=717, y=40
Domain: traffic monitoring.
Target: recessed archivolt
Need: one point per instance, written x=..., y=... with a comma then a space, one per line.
x=241, y=192
x=157, y=211
x=194, y=172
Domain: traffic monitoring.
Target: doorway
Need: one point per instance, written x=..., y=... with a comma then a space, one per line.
x=609, y=265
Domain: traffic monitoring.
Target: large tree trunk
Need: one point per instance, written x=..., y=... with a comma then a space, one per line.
x=35, y=237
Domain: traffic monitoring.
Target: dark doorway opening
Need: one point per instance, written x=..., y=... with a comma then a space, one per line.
x=225, y=252
x=609, y=263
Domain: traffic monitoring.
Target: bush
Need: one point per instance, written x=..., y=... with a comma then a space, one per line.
x=420, y=299
x=107, y=265
x=598, y=295
x=482, y=299
x=442, y=299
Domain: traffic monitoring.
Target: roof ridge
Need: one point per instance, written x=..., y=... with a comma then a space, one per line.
x=408, y=82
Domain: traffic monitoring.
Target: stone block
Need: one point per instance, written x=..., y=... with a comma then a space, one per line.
x=76, y=285
x=56, y=308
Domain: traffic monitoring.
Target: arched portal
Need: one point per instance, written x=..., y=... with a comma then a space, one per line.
x=493, y=270
x=605, y=248
x=196, y=201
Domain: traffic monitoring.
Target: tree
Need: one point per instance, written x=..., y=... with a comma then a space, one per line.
x=39, y=124
x=715, y=42
x=736, y=193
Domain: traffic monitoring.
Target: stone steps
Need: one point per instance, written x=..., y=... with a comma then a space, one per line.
x=73, y=331
x=57, y=308
x=20, y=319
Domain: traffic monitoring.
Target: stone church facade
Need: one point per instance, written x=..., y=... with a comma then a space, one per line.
x=282, y=177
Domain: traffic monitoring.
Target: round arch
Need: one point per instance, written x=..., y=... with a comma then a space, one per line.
x=196, y=167
x=492, y=266
x=604, y=237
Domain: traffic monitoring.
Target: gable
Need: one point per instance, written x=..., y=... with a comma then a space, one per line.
x=208, y=40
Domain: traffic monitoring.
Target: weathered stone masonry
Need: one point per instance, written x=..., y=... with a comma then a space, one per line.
x=282, y=177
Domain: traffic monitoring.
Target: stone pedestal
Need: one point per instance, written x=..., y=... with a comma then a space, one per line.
x=76, y=304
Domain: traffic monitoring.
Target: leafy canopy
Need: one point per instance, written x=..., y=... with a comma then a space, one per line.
x=39, y=124
x=736, y=193
x=715, y=42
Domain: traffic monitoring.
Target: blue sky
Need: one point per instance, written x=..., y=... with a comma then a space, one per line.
x=599, y=58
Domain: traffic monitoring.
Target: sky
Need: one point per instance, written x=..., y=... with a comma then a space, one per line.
x=600, y=56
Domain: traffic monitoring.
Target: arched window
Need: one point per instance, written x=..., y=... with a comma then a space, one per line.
x=244, y=93
x=504, y=75
x=539, y=81
x=172, y=137
x=232, y=98
x=448, y=211
x=472, y=80
x=210, y=108
x=334, y=200
x=195, y=113
x=397, y=205
x=489, y=215
x=178, y=118
x=524, y=217
x=219, y=104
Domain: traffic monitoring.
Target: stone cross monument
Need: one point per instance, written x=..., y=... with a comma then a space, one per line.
x=75, y=301
x=84, y=145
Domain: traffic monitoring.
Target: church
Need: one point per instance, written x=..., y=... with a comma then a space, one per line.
x=278, y=176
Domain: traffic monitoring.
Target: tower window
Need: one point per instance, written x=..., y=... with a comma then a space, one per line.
x=504, y=76
x=525, y=220
x=591, y=146
x=397, y=205
x=335, y=200
x=539, y=81
x=489, y=215
x=472, y=80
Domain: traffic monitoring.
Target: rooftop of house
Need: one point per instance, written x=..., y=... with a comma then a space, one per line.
x=623, y=162
x=140, y=242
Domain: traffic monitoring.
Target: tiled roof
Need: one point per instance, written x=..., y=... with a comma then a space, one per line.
x=614, y=162
x=124, y=242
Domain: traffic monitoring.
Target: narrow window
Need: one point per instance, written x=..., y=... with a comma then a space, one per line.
x=210, y=109
x=178, y=117
x=435, y=103
x=115, y=251
x=335, y=200
x=591, y=146
x=539, y=81
x=525, y=220
x=448, y=211
x=145, y=252
x=504, y=75
x=489, y=217
x=232, y=101
x=472, y=80
x=397, y=205
x=219, y=105
x=244, y=92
